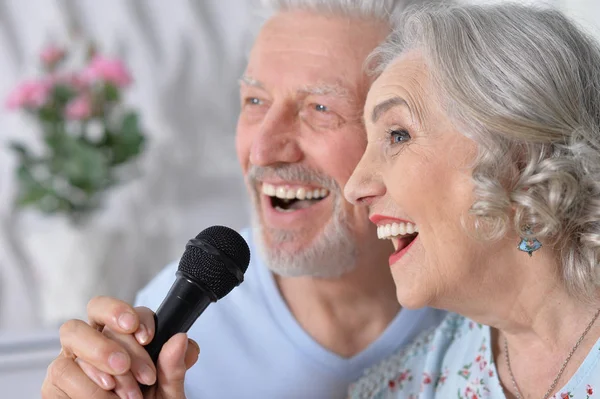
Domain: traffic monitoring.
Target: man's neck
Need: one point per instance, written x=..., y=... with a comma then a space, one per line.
x=345, y=314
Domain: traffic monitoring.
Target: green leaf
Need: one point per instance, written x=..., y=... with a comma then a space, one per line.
x=85, y=166
x=129, y=141
x=111, y=93
x=50, y=115
x=30, y=190
x=62, y=94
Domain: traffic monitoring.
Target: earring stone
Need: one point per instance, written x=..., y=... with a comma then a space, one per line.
x=529, y=245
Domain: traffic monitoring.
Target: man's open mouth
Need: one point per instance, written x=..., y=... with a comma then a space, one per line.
x=289, y=198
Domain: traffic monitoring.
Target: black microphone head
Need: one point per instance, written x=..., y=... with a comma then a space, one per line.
x=211, y=269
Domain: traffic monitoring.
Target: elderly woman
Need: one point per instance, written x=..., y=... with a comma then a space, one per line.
x=483, y=169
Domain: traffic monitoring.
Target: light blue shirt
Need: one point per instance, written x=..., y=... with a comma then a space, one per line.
x=456, y=361
x=253, y=347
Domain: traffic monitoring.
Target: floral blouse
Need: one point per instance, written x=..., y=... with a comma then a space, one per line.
x=455, y=361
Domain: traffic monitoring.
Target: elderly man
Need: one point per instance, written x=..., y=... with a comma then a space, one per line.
x=318, y=303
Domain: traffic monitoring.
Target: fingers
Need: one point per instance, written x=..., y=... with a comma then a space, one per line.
x=125, y=386
x=81, y=340
x=171, y=367
x=145, y=332
x=105, y=311
x=192, y=353
x=141, y=364
x=104, y=380
x=65, y=379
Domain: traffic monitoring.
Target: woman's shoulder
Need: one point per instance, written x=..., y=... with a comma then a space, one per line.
x=407, y=371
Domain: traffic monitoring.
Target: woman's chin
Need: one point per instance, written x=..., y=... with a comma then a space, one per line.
x=411, y=301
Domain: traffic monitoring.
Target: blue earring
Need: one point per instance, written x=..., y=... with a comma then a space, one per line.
x=529, y=245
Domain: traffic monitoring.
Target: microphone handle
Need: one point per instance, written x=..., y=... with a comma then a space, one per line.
x=184, y=303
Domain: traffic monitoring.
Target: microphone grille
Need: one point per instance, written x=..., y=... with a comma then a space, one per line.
x=209, y=269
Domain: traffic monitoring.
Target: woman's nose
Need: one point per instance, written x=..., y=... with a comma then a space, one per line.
x=365, y=184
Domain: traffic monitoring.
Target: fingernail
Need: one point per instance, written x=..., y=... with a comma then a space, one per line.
x=146, y=375
x=194, y=344
x=118, y=362
x=127, y=321
x=105, y=382
x=134, y=395
x=142, y=335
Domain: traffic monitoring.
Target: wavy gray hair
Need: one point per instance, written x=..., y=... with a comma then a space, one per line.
x=524, y=84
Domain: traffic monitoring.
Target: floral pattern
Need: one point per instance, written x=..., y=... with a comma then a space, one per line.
x=455, y=361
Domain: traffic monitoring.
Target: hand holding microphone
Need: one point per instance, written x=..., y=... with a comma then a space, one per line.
x=212, y=265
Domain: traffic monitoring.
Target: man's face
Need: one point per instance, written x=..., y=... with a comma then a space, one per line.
x=299, y=137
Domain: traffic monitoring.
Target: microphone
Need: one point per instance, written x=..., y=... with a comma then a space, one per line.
x=212, y=265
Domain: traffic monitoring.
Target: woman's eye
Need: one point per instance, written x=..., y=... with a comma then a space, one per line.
x=398, y=136
x=321, y=108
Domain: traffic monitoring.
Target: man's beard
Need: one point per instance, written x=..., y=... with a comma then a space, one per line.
x=331, y=253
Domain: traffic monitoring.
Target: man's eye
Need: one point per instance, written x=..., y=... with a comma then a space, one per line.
x=253, y=101
x=320, y=116
x=398, y=136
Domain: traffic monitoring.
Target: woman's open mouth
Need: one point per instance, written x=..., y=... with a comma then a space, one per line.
x=402, y=234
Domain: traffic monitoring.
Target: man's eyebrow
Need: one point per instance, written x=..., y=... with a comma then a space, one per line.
x=250, y=81
x=386, y=105
x=317, y=89
x=323, y=89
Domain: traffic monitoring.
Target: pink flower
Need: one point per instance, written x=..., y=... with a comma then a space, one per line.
x=426, y=378
x=79, y=108
x=404, y=376
x=108, y=70
x=51, y=55
x=29, y=94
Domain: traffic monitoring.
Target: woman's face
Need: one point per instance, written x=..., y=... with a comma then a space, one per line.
x=416, y=175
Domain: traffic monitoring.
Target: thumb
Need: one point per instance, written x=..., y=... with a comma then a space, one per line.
x=171, y=367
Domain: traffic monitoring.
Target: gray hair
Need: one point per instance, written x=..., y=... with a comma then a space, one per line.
x=524, y=84
x=384, y=10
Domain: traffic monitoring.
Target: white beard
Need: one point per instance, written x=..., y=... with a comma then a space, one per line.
x=331, y=254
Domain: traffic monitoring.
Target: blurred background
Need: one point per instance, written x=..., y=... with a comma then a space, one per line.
x=149, y=89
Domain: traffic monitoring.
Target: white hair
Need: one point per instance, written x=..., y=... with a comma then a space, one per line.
x=384, y=10
x=524, y=83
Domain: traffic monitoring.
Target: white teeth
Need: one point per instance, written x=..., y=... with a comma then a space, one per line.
x=301, y=193
x=390, y=230
x=280, y=192
x=297, y=193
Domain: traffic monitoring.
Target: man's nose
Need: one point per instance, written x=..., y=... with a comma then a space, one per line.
x=277, y=139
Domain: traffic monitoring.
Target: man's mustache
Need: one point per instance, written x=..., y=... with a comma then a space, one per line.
x=292, y=172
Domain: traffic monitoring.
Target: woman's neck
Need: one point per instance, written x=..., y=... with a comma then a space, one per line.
x=531, y=312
